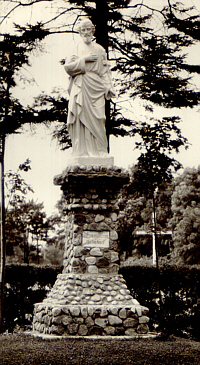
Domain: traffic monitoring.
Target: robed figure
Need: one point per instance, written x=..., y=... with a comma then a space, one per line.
x=90, y=84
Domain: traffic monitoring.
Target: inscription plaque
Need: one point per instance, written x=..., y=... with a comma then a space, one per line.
x=96, y=239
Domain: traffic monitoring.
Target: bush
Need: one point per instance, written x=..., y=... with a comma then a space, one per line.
x=24, y=286
x=178, y=311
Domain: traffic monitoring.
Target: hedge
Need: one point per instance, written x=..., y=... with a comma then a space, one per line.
x=178, y=313
x=24, y=286
x=177, y=308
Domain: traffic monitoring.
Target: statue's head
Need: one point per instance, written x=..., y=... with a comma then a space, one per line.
x=86, y=30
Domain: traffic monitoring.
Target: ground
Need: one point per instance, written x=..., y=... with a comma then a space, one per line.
x=25, y=349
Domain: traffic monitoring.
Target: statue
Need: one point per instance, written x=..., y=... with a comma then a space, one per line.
x=90, y=84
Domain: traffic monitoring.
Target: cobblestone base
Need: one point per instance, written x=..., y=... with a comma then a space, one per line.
x=81, y=304
x=90, y=320
x=89, y=297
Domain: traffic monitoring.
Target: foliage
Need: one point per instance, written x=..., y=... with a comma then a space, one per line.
x=151, y=178
x=180, y=290
x=26, y=285
x=15, y=187
x=185, y=221
x=22, y=219
x=136, y=215
x=13, y=55
x=150, y=61
x=155, y=165
x=25, y=225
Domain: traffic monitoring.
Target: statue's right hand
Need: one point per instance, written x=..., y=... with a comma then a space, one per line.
x=92, y=57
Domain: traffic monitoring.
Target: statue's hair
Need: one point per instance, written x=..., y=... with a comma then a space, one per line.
x=86, y=21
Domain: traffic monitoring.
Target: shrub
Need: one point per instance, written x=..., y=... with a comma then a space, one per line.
x=178, y=312
x=24, y=286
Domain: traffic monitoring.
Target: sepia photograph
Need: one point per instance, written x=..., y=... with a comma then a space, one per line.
x=100, y=182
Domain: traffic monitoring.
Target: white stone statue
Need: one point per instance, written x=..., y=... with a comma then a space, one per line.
x=90, y=84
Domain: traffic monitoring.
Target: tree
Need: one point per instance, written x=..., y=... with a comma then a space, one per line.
x=13, y=55
x=25, y=228
x=155, y=165
x=185, y=221
x=146, y=45
x=136, y=216
x=23, y=219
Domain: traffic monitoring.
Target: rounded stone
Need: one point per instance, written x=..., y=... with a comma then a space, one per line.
x=96, y=298
x=145, y=311
x=109, y=330
x=91, y=311
x=75, y=311
x=103, y=270
x=91, y=260
x=66, y=320
x=130, y=332
x=84, y=312
x=57, y=320
x=114, y=320
x=119, y=330
x=114, y=269
x=75, y=262
x=130, y=322
x=95, y=196
x=143, y=319
x=88, y=206
x=72, y=328
x=101, y=322
x=102, y=262
x=89, y=322
x=113, y=216
x=57, y=330
x=99, y=218
x=114, y=256
x=78, y=320
x=82, y=330
x=92, y=269
x=113, y=235
x=77, y=251
x=56, y=311
x=142, y=328
x=122, y=313
x=104, y=312
x=100, y=280
x=139, y=311
x=114, y=311
x=96, y=252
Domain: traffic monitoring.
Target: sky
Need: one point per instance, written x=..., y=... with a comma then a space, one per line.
x=47, y=160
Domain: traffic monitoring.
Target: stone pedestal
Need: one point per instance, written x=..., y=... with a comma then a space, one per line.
x=90, y=297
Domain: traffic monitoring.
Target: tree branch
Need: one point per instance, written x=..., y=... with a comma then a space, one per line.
x=22, y=4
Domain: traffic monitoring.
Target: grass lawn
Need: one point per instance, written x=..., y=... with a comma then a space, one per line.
x=25, y=349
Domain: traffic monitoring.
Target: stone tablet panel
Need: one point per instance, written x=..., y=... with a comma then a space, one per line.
x=96, y=239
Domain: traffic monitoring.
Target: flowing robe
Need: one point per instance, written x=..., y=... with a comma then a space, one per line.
x=90, y=84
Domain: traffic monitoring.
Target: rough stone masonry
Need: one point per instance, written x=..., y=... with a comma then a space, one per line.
x=90, y=297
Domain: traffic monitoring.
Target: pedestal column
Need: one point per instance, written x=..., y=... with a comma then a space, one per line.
x=90, y=297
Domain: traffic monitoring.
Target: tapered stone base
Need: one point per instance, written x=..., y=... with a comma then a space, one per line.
x=90, y=305
x=90, y=297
